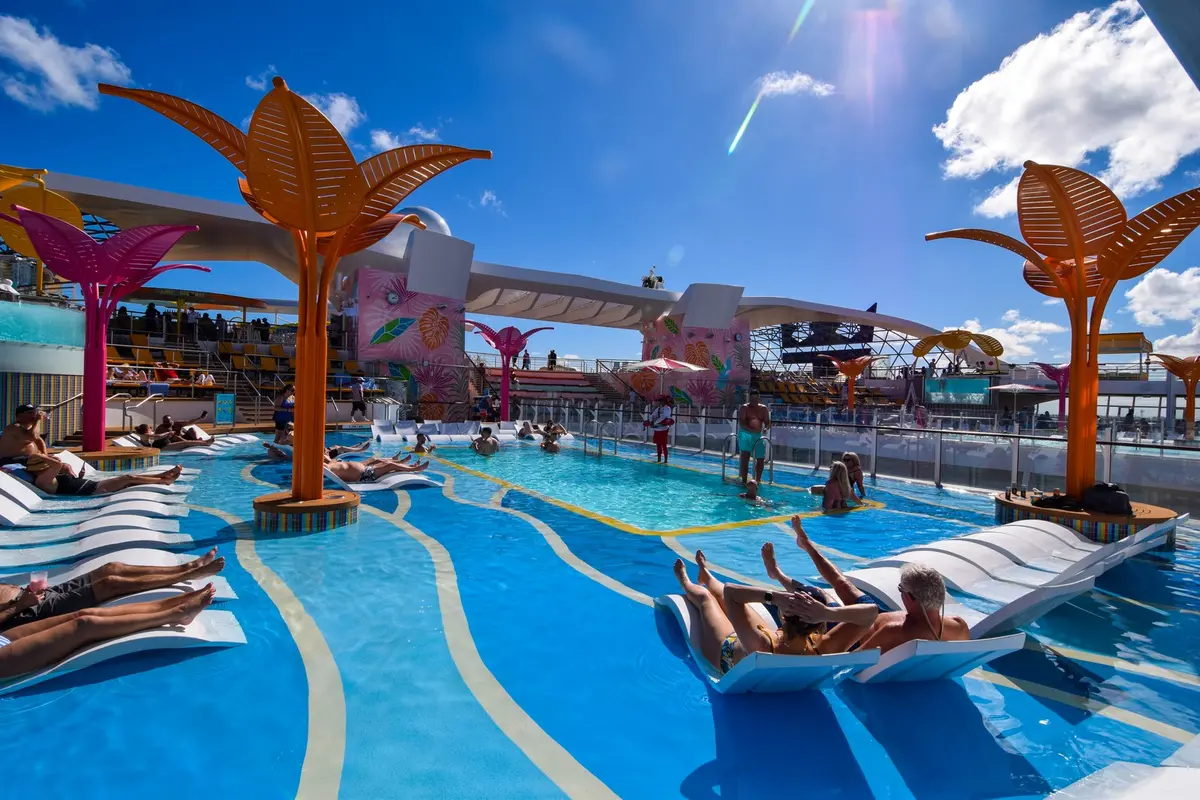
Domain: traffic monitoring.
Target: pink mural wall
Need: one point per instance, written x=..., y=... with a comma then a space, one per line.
x=418, y=338
x=724, y=352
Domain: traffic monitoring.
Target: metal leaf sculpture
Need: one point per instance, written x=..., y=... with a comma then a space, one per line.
x=958, y=340
x=1188, y=371
x=1079, y=244
x=510, y=342
x=851, y=369
x=105, y=272
x=1061, y=375
x=299, y=173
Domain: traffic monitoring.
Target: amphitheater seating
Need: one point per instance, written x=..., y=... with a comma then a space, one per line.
x=544, y=384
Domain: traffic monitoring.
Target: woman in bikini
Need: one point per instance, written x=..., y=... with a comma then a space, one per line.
x=731, y=629
x=837, y=493
x=855, y=472
x=550, y=433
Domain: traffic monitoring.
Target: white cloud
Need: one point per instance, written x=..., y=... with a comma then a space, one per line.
x=51, y=73
x=262, y=80
x=1187, y=344
x=1019, y=336
x=1162, y=295
x=489, y=200
x=1051, y=301
x=386, y=140
x=1101, y=82
x=340, y=109
x=1105, y=324
x=775, y=84
x=571, y=46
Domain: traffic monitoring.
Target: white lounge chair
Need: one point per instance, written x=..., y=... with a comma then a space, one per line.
x=22, y=537
x=881, y=582
x=96, y=543
x=964, y=576
x=23, y=492
x=994, y=562
x=925, y=660
x=86, y=470
x=137, y=556
x=14, y=515
x=763, y=672
x=393, y=480
x=381, y=429
x=209, y=629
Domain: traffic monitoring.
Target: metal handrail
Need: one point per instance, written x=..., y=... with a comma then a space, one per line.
x=725, y=452
x=600, y=437
x=768, y=456
x=337, y=423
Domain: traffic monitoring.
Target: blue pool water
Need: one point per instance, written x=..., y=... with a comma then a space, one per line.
x=29, y=322
x=484, y=640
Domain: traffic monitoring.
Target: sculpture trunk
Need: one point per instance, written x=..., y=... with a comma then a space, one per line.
x=1081, y=420
x=505, y=379
x=850, y=394
x=95, y=383
x=312, y=356
x=1189, y=410
x=1062, y=405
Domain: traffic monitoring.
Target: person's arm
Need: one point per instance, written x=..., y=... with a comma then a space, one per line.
x=26, y=599
x=809, y=609
x=753, y=638
x=766, y=417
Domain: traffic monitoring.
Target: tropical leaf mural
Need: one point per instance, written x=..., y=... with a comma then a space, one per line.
x=697, y=353
x=391, y=330
x=702, y=392
x=431, y=406
x=680, y=396
x=434, y=328
x=667, y=352
x=654, y=352
x=399, y=371
x=716, y=362
x=671, y=325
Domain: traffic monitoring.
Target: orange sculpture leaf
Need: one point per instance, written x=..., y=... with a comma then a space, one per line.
x=361, y=238
x=224, y=137
x=433, y=327
x=1150, y=237
x=393, y=175
x=1040, y=281
x=1052, y=199
x=299, y=167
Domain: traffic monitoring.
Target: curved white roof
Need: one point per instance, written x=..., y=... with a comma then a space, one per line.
x=233, y=232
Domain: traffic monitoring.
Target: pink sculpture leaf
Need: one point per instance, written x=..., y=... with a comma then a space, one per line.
x=139, y=249
x=66, y=250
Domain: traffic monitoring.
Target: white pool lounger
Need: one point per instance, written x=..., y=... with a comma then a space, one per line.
x=764, y=672
x=96, y=543
x=881, y=582
x=137, y=556
x=10, y=537
x=394, y=480
x=24, y=493
x=86, y=470
x=13, y=515
x=993, y=562
x=209, y=629
x=924, y=660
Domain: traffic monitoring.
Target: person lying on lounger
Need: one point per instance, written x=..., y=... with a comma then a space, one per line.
x=182, y=429
x=58, y=478
x=423, y=444
x=36, y=645
x=837, y=493
x=485, y=444
x=32, y=603
x=731, y=629
x=370, y=470
x=337, y=451
x=166, y=441
x=921, y=588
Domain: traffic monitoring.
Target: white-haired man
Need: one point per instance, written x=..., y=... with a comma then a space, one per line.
x=922, y=591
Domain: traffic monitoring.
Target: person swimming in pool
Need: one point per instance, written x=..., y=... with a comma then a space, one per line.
x=730, y=629
x=337, y=451
x=423, y=444
x=753, y=421
x=550, y=433
x=922, y=590
x=485, y=444
x=751, y=494
x=527, y=431
x=837, y=493
x=855, y=471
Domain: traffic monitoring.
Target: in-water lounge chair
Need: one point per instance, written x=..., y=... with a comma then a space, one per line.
x=15, y=558
x=393, y=480
x=14, y=515
x=21, y=537
x=137, y=556
x=23, y=492
x=209, y=629
x=763, y=672
x=86, y=470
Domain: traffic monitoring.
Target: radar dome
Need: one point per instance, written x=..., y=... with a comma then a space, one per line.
x=396, y=242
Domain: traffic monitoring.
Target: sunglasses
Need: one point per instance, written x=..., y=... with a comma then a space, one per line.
x=900, y=588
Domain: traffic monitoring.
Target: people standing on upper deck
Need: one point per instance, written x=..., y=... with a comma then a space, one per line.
x=552, y=359
x=151, y=319
x=525, y=360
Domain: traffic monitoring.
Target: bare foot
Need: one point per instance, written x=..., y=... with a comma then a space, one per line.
x=681, y=572
x=172, y=475
x=424, y=465
x=195, y=602
x=205, y=570
x=399, y=459
x=768, y=557
x=204, y=559
x=701, y=561
x=801, y=537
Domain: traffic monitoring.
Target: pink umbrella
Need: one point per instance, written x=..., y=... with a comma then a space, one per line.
x=662, y=366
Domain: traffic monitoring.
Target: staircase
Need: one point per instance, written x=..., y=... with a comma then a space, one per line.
x=247, y=413
x=607, y=392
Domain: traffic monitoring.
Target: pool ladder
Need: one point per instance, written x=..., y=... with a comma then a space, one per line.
x=769, y=456
x=600, y=438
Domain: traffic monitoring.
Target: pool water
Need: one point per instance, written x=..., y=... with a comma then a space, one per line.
x=487, y=639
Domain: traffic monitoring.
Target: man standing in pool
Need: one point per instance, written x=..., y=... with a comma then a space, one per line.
x=753, y=420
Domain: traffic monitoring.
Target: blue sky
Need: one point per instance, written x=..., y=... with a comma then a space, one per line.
x=611, y=125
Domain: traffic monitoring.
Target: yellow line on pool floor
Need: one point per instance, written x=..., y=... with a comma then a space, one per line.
x=555, y=762
x=626, y=527
x=321, y=773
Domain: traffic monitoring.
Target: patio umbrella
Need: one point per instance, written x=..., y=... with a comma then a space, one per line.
x=1019, y=388
x=662, y=366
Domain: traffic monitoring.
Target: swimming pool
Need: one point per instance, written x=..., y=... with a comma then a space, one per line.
x=489, y=639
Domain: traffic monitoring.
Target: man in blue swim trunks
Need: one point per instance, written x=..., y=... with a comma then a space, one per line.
x=753, y=420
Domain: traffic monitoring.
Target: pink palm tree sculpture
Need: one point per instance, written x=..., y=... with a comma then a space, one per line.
x=510, y=342
x=105, y=272
x=1061, y=375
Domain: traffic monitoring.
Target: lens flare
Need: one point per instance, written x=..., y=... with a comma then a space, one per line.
x=808, y=4
x=738, y=136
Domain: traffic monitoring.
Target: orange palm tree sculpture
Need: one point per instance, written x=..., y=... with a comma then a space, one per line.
x=955, y=340
x=851, y=368
x=299, y=173
x=1079, y=244
x=1188, y=371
